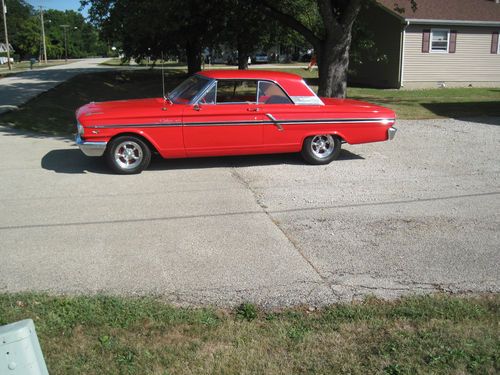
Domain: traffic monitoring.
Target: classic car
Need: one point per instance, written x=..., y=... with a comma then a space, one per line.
x=229, y=112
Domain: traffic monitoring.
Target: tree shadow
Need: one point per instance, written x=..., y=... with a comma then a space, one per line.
x=71, y=161
x=480, y=112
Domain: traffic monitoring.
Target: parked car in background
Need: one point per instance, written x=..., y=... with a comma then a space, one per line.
x=229, y=112
x=261, y=58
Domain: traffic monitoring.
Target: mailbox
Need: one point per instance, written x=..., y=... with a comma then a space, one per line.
x=20, y=352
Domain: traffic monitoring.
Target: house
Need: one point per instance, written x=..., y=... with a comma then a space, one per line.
x=3, y=53
x=440, y=43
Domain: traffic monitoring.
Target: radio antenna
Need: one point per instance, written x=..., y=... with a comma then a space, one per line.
x=163, y=76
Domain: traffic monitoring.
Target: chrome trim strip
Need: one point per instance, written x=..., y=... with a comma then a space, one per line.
x=116, y=126
x=391, y=133
x=383, y=121
x=91, y=148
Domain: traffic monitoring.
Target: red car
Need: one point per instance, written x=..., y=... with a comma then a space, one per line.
x=229, y=112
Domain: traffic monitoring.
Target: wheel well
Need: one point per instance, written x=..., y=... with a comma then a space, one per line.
x=342, y=140
x=141, y=137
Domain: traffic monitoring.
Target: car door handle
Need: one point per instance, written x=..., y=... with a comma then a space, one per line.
x=253, y=109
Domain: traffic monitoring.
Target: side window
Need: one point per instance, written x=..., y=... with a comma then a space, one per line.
x=209, y=97
x=236, y=91
x=271, y=93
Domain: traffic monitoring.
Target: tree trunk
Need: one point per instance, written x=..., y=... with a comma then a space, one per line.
x=333, y=62
x=242, y=56
x=193, y=55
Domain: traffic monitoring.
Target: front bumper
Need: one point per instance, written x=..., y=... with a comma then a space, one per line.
x=391, y=133
x=91, y=148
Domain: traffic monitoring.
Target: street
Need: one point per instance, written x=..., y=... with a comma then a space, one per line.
x=415, y=215
x=21, y=87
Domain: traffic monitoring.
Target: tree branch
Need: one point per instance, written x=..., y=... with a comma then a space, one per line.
x=292, y=22
x=326, y=11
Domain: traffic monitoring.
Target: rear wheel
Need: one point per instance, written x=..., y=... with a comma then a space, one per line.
x=128, y=155
x=321, y=149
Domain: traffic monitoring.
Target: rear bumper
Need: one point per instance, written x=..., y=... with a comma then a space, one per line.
x=91, y=148
x=391, y=133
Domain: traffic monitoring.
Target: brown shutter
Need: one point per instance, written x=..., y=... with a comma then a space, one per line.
x=494, y=42
x=426, y=36
x=453, y=41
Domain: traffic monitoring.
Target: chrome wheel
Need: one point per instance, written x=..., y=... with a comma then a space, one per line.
x=322, y=146
x=128, y=155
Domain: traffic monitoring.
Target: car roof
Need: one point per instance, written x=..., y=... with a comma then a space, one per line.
x=249, y=74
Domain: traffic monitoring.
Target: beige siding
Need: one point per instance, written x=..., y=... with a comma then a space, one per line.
x=472, y=63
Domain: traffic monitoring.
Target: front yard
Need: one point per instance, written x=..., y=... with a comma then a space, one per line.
x=416, y=335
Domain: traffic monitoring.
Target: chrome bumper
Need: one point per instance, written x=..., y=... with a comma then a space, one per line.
x=91, y=148
x=391, y=133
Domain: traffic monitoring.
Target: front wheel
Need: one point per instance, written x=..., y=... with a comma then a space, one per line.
x=321, y=149
x=128, y=155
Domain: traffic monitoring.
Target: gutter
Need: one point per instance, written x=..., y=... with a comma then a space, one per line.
x=402, y=56
x=419, y=21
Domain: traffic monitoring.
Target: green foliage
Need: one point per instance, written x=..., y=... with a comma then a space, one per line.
x=24, y=26
x=246, y=311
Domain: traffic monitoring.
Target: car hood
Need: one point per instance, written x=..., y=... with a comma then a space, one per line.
x=130, y=111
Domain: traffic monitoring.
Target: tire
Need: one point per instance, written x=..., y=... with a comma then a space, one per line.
x=128, y=155
x=321, y=149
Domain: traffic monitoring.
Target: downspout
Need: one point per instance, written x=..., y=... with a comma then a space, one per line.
x=402, y=58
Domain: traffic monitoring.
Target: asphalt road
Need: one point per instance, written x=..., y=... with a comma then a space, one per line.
x=415, y=215
x=18, y=88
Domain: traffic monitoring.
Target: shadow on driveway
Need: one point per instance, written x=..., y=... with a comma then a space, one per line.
x=72, y=161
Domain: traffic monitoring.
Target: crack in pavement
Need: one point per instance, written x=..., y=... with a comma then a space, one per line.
x=295, y=245
x=263, y=210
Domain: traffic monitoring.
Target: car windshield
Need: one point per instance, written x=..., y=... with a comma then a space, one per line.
x=187, y=90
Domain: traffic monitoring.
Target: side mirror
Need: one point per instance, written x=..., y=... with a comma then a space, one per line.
x=197, y=107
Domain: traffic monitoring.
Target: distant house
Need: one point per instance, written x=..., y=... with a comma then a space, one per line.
x=3, y=53
x=441, y=43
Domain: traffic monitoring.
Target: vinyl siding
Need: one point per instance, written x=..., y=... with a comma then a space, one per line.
x=471, y=63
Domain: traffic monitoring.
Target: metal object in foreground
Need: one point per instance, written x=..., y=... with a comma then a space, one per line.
x=20, y=352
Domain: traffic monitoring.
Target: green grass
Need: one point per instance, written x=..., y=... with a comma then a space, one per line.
x=25, y=65
x=110, y=335
x=53, y=112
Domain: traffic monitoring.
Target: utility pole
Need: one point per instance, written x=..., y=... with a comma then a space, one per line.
x=65, y=27
x=43, y=35
x=4, y=12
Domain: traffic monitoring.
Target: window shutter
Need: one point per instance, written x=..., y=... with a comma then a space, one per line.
x=494, y=42
x=426, y=36
x=453, y=41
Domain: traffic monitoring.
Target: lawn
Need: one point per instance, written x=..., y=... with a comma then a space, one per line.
x=416, y=335
x=53, y=111
x=25, y=65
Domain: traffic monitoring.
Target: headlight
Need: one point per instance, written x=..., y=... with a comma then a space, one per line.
x=80, y=129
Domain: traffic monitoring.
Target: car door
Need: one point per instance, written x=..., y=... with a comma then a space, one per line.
x=281, y=133
x=225, y=121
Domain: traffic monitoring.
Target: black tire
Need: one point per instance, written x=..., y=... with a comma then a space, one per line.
x=135, y=155
x=312, y=153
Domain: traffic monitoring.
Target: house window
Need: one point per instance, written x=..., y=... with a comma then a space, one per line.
x=439, y=40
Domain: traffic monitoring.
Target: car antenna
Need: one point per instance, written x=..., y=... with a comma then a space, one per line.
x=165, y=98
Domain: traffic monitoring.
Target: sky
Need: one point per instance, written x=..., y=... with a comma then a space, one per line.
x=58, y=4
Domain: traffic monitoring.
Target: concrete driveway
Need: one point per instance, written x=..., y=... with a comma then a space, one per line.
x=415, y=215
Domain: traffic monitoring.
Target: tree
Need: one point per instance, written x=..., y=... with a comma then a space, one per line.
x=150, y=28
x=328, y=26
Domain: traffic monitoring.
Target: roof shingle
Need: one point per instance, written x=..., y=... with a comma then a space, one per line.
x=458, y=10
